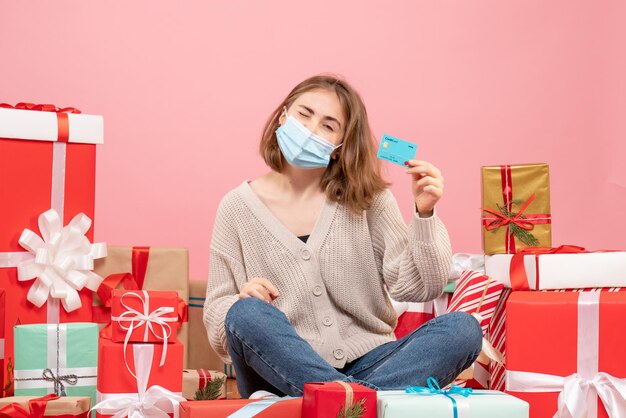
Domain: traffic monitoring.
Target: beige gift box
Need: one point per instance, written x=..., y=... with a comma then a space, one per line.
x=198, y=379
x=65, y=405
x=201, y=355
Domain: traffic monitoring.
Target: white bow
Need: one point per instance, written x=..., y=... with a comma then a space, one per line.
x=574, y=391
x=149, y=319
x=464, y=261
x=61, y=260
x=155, y=402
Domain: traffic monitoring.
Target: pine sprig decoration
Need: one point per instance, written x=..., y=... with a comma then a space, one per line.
x=524, y=236
x=520, y=233
x=356, y=410
x=211, y=391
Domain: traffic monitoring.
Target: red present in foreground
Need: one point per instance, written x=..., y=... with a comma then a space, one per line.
x=565, y=348
x=47, y=160
x=327, y=400
x=125, y=387
x=144, y=316
x=243, y=408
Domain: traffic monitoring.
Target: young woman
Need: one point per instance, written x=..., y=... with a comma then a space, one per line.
x=302, y=259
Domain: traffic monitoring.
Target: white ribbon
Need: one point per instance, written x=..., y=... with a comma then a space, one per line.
x=154, y=402
x=138, y=319
x=577, y=397
x=254, y=408
x=60, y=260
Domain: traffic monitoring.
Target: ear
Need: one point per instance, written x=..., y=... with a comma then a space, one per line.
x=283, y=116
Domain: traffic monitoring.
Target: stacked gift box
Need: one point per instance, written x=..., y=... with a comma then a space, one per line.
x=47, y=163
x=140, y=359
x=555, y=323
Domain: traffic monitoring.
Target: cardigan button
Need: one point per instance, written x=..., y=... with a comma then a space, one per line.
x=328, y=321
x=306, y=254
x=339, y=354
x=317, y=290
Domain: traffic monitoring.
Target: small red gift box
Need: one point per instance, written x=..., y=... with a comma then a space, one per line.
x=563, y=348
x=138, y=372
x=324, y=400
x=144, y=316
x=270, y=408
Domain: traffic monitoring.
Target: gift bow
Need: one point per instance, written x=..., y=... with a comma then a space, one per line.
x=59, y=388
x=40, y=107
x=518, y=219
x=433, y=388
x=36, y=408
x=60, y=260
x=155, y=402
x=151, y=320
x=574, y=391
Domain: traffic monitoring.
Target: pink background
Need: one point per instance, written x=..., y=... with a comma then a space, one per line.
x=185, y=88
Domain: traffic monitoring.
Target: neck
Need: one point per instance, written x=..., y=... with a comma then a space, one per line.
x=300, y=182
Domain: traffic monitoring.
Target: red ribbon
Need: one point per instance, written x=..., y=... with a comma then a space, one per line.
x=526, y=222
x=204, y=377
x=102, y=314
x=140, y=258
x=63, y=123
x=517, y=270
x=36, y=409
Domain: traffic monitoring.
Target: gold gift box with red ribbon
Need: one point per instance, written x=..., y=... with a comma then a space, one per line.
x=516, y=207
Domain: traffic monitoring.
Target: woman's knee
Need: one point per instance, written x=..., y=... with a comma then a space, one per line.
x=247, y=314
x=464, y=331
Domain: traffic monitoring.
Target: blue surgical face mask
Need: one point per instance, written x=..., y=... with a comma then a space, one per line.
x=301, y=147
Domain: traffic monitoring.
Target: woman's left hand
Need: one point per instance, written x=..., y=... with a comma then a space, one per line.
x=426, y=184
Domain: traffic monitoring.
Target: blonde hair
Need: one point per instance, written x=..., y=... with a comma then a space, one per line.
x=354, y=178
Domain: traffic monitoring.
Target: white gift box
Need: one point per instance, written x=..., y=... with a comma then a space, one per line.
x=563, y=271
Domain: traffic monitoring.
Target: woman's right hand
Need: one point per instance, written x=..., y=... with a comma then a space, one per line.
x=260, y=288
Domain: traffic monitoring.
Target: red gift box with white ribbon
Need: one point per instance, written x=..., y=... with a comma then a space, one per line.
x=565, y=352
x=133, y=378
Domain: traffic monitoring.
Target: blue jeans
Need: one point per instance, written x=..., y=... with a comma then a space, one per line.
x=268, y=354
